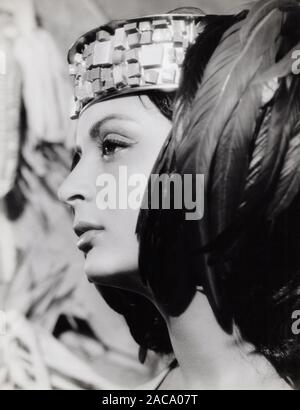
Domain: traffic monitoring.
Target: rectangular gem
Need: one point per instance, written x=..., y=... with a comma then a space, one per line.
x=179, y=56
x=103, y=36
x=120, y=39
x=118, y=57
x=89, y=76
x=131, y=27
x=180, y=26
x=171, y=56
x=178, y=39
x=134, y=39
x=145, y=26
x=118, y=76
x=90, y=61
x=132, y=56
x=106, y=74
x=109, y=85
x=146, y=37
x=160, y=23
x=134, y=70
x=151, y=77
x=162, y=35
x=152, y=55
x=95, y=73
x=102, y=54
x=134, y=81
x=169, y=76
x=97, y=86
x=88, y=89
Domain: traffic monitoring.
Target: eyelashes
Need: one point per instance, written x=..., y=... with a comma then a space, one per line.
x=111, y=145
x=108, y=146
x=76, y=159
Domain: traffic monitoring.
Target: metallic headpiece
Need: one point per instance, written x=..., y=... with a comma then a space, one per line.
x=124, y=57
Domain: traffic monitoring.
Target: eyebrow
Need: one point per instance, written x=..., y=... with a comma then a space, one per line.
x=94, y=130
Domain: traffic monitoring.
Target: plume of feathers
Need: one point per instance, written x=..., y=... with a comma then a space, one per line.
x=236, y=121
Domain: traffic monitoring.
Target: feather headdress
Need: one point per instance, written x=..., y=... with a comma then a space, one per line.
x=237, y=122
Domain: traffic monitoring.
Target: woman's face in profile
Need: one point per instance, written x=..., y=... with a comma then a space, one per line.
x=116, y=141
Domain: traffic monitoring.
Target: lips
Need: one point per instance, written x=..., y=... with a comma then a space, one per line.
x=87, y=234
x=87, y=240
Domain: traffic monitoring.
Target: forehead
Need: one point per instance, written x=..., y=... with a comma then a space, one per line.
x=132, y=108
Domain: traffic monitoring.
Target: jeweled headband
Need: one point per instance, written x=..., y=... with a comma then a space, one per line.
x=127, y=56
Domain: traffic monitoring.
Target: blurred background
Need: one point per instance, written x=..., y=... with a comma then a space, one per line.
x=62, y=17
x=59, y=334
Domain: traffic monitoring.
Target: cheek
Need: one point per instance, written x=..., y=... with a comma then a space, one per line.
x=143, y=159
x=122, y=228
x=118, y=253
x=125, y=222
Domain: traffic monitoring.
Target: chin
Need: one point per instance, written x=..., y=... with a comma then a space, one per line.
x=106, y=269
x=102, y=272
x=97, y=268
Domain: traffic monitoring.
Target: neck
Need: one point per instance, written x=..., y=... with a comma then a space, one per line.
x=208, y=357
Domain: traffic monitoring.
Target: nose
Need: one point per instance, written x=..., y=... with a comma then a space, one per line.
x=76, y=188
x=67, y=192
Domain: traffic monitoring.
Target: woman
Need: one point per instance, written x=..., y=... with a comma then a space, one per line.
x=145, y=116
x=181, y=287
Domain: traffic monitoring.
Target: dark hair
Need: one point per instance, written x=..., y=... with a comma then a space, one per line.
x=146, y=324
x=245, y=251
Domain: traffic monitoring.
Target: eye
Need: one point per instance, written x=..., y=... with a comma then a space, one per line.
x=112, y=144
x=76, y=159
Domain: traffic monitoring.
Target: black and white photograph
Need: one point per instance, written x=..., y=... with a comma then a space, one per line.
x=149, y=198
